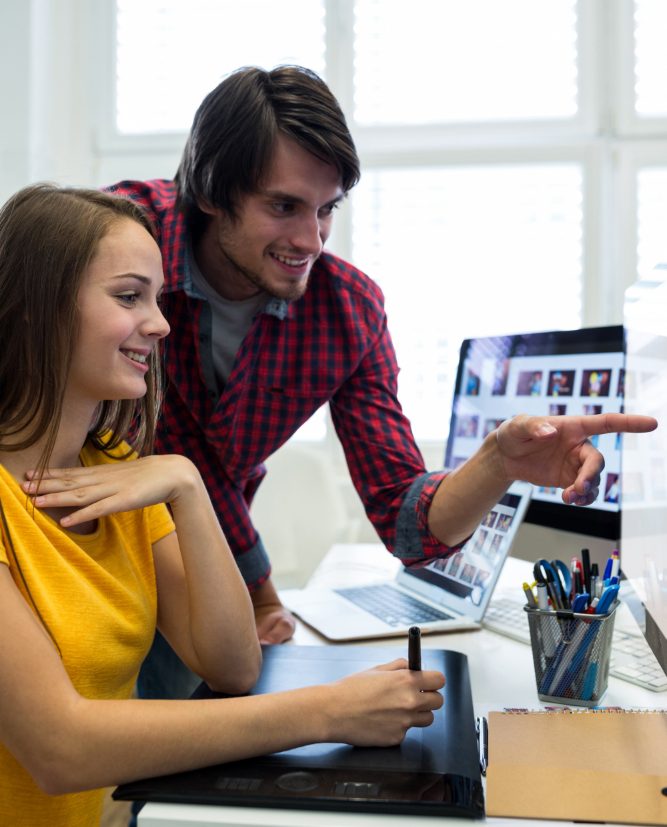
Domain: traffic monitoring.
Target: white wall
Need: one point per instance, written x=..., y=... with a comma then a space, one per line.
x=14, y=86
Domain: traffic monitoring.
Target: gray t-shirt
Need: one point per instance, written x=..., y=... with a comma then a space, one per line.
x=230, y=321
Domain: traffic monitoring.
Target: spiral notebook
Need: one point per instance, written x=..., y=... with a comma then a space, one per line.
x=594, y=765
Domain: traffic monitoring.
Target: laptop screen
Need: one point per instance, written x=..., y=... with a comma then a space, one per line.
x=466, y=579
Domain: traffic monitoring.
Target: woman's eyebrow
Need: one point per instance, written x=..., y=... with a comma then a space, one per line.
x=142, y=279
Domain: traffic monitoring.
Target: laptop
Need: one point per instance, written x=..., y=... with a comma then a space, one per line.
x=439, y=596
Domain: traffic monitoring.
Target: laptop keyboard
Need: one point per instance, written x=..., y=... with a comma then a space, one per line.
x=631, y=657
x=391, y=605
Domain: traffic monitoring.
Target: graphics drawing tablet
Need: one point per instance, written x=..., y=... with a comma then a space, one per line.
x=435, y=771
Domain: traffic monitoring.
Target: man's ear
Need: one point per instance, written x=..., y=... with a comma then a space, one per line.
x=207, y=208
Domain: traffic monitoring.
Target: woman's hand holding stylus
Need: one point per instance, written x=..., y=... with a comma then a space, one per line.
x=377, y=707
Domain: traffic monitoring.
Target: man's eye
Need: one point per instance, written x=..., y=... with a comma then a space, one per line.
x=329, y=209
x=283, y=207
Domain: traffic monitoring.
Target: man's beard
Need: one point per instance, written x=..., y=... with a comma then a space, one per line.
x=290, y=293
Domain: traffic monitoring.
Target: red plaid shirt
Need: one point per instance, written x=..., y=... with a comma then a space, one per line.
x=332, y=345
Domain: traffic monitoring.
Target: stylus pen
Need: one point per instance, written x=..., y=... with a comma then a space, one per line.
x=415, y=648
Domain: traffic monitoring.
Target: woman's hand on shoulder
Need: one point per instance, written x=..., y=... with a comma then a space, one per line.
x=377, y=707
x=96, y=490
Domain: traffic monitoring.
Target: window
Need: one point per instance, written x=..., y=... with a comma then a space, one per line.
x=443, y=61
x=194, y=44
x=650, y=59
x=460, y=251
x=514, y=154
x=651, y=218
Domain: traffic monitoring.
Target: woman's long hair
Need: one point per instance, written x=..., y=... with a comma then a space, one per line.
x=48, y=237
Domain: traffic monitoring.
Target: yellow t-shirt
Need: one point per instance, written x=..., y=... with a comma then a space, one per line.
x=97, y=595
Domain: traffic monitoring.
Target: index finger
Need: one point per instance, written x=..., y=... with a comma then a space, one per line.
x=616, y=423
x=430, y=680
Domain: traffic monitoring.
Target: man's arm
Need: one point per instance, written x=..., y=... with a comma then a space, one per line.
x=385, y=465
x=437, y=511
x=547, y=451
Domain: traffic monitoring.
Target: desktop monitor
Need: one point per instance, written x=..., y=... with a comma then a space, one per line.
x=547, y=373
x=644, y=484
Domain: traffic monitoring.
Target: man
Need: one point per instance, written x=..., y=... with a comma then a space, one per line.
x=266, y=327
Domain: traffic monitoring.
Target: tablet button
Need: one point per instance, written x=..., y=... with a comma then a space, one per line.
x=297, y=782
x=357, y=789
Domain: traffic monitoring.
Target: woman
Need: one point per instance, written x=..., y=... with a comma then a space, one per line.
x=92, y=559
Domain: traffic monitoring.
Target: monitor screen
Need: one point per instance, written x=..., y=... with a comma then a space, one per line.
x=548, y=373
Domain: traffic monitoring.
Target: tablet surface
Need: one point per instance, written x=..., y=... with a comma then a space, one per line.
x=434, y=771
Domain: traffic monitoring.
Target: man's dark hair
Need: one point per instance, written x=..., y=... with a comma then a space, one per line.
x=231, y=142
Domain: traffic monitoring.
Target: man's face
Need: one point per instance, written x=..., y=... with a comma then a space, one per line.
x=279, y=231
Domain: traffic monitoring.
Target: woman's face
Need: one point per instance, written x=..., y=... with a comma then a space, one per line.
x=120, y=320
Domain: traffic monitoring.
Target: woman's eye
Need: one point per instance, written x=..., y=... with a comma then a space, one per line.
x=128, y=298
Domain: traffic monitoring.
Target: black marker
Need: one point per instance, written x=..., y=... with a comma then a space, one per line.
x=586, y=566
x=414, y=648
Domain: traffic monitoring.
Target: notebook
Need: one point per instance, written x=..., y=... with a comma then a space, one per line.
x=434, y=771
x=596, y=765
x=441, y=596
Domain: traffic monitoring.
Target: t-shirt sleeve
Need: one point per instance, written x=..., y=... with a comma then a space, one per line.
x=160, y=522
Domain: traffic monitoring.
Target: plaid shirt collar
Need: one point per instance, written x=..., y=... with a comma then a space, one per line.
x=180, y=279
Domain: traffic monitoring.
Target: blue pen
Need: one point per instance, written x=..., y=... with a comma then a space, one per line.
x=582, y=645
x=613, y=565
x=580, y=602
x=606, y=600
x=589, y=681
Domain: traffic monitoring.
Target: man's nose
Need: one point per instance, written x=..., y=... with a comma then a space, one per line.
x=308, y=235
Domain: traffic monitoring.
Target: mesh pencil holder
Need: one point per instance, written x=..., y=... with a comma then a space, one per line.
x=571, y=654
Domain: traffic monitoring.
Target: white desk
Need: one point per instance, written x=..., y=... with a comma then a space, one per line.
x=501, y=675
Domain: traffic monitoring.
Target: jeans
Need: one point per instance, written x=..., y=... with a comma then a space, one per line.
x=163, y=675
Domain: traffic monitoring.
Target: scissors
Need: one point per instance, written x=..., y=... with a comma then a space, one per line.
x=556, y=576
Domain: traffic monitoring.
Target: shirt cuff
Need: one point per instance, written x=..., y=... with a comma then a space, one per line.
x=414, y=541
x=254, y=565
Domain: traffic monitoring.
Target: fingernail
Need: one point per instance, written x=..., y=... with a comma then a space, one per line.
x=545, y=428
